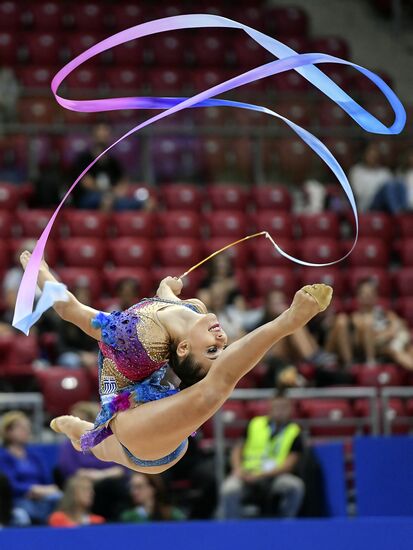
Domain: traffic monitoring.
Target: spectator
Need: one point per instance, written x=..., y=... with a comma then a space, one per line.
x=104, y=186
x=75, y=507
x=263, y=466
x=379, y=333
x=126, y=294
x=76, y=349
x=9, y=93
x=406, y=176
x=299, y=346
x=28, y=475
x=229, y=316
x=368, y=177
x=149, y=501
x=110, y=480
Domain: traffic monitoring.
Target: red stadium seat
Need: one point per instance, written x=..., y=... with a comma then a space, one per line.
x=271, y=197
x=33, y=222
x=364, y=86
x=84, y=79
x=404, y=307
x=62, y=388
x=9, y=49
x=376, y=224
x=4, y=259
x=182, y=196
x=45, y=16
x=379, y=375
x=126, y=15
x=191, y=282
x=223, y=157
x=319, y=225
x=265, y=279
x=369, y=252
x=179, y=252
x=342, y=149
x=37, y=110
x=131, y=54
x=334, y=411
x=332, y=115
x=291, y=155
x=87, y=223
x=134, y=224
x=380, y=276
x=248, y=53
x=404, y=224
x=83, y=252
x=318, y=250
x=88, y=15
x=6, y=224
x=259, y=407
x=289, y=82
x=166, y=81
x=168, y=49
x=177, y=223
x=265, y=255
x=297, y=110
x=9, y=196
x=202, y=79
x=209, y=48
x=286, y=20
x=24, y=350
x=124, y=78
x=227, y=196
x=239, y=254
x=10, y=16
x=234, y=416
x=332, y=45
x=406, y=252
x=142, y=276
x=278, y=224
x=78, y=42
x=403, y=280
x=131, y=252
x=75, y=277
x=223, y=223
x=331, y=275
x=43, y=48
x=36, y=76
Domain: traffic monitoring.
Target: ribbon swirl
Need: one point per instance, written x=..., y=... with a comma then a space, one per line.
x=288, y=59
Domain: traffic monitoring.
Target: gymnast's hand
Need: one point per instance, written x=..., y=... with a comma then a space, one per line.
x=169, y=284
x=307, y=302
x=25, y=257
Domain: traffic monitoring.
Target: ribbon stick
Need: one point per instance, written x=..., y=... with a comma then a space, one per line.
x=287, y=59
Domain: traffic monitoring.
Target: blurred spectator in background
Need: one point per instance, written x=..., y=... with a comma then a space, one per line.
x=49, y=184
x=149, y=501
x=109, y=479
x=76, y=349
x=126, y=294
x=368, y=179
x=75, y=506
x=299, y=346
x=228, y=314
x=282, y=375
x=9, y=94
x=263, y=466
x=379, y=333
x=406, y=176
x=29, y=477
x=104, y=186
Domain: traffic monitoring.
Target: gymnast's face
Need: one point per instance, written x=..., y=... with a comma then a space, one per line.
x=205, y=341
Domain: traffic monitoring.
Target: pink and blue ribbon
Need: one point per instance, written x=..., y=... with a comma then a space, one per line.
x=287, y=59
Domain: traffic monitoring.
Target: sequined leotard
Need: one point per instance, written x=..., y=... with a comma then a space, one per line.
x=133, y=357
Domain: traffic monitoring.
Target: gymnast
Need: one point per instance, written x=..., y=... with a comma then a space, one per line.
x=144, y=421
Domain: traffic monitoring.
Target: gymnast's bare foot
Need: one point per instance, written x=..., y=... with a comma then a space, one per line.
x=72, y=427
x=307, y=302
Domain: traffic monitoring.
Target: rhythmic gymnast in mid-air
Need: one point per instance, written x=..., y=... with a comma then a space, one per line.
x=144, y=421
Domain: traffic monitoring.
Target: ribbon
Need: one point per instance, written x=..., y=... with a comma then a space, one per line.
x=288, y=59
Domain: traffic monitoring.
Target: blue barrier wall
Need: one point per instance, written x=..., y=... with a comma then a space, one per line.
x=331, y=459
x=384, y=476
x=328, y=534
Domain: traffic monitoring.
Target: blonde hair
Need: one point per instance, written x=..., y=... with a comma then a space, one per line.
x=67, y=504
x=85, y=410
x=7, y=421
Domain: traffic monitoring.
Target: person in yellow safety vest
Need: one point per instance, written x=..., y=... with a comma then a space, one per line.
x=263, y=466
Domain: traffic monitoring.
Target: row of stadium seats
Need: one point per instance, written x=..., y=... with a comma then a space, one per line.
x=94, y=16
x=211, y=48
x=191, y=222
x=185, y=251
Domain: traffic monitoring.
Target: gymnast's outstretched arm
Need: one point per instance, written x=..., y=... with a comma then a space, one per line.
x=73, y=311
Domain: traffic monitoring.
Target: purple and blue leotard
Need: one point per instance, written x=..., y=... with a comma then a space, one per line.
x=133, y=358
